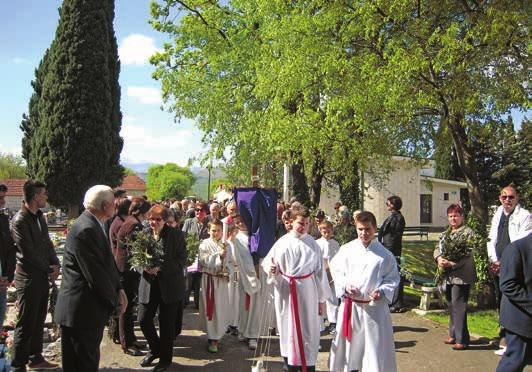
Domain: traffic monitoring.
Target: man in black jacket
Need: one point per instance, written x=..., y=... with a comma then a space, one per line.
x=7, y=253
x=391, y=236
x=90, y=289
x=37, y=266
x=516, y=304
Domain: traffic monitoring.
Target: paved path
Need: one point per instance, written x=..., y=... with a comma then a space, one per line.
x=418, y=342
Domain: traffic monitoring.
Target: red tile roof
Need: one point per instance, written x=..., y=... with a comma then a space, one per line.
x=14, y=186
x=133, y=182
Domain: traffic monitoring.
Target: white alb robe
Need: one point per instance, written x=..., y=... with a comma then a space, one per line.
x=298, y=256
x=329, y=248
x=372, y=346
x=210, y=263
x=249, y=284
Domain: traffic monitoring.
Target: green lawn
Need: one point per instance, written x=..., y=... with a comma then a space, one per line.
x=418, y=261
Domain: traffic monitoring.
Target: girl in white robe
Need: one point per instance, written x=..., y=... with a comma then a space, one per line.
x=215, y=263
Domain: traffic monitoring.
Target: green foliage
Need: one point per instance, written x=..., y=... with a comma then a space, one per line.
x=193, y=244
x=144, y=250
x=11, y=166
x=480, y=253
x=168, y=181
x=71, y=134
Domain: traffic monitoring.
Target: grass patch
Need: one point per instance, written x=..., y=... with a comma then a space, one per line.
x=417, y=256
x=483, y=322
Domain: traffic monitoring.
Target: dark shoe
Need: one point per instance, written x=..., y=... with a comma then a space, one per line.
x=139, y=345
x=394, y=309
x=459, y=347
x=43, y=364
x=450, y=341
x=116, y=340
x=132, y=350
x=148, y=360
x=161, y=367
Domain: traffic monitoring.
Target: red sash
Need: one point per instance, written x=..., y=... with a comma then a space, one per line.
x=295, y=314
x=210, y=296
x=347, y=328
x=248, y=301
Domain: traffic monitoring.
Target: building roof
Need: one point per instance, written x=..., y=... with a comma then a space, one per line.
x=444, y=181
x=14, y=186
x=133, y=182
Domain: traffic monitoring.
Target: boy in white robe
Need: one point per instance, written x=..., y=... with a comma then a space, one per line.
x=215, y=263
x=365, y=276
x=234, y=286
x=295, y=267
x=329, y=247
x=251, y=296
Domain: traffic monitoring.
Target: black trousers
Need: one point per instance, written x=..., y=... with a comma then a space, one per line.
x=126, y=326
x=518, y=353
x=160, y=345
x=398, y=294
x=179, y=318
x=193, y=284
x=80, y=348
x=32, y=297
x=457, y=297
x=292, y=368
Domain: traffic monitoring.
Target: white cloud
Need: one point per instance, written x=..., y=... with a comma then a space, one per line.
x=146, y=95
x=21, y=61
x=136, y=49
x=142, y=144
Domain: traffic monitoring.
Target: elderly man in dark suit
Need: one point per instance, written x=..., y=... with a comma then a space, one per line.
x=90, y=290
x=516, y=304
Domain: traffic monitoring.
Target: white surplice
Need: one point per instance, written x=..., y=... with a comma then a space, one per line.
x=372, y=346
x=329, y=248
x=249, y=284
x=210, y=263
x=298, y=256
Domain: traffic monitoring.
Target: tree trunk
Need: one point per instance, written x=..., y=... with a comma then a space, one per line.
x=300, y=186
x=468, y=166
x=317, y=179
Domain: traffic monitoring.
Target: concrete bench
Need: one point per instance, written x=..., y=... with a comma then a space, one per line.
x=429, y=292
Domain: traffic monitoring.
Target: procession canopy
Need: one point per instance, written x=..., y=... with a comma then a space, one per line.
x=258, y=208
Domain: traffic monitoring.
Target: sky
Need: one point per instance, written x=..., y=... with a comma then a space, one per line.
x=27, y=28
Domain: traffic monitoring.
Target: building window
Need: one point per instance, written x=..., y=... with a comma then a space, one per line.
x=445, y=196
x=425, y=208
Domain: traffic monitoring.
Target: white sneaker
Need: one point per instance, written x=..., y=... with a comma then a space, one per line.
x=252, y=343
x=500, y=352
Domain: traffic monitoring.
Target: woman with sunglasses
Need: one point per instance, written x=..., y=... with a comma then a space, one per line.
x=162, y=290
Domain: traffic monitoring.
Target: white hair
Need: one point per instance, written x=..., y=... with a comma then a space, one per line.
x=96, y=195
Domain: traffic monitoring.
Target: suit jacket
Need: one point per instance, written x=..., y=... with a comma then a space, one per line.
x=391, y=233
x=7, y=249
x=516, y=287
x=171, y=278
x=90, y=285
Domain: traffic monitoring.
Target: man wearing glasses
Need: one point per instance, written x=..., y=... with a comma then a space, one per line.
x=509, y=223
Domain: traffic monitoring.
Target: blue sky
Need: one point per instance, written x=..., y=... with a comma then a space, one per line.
x=27, y=27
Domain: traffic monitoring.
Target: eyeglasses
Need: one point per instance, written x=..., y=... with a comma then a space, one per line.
x=156, y=219
x=509, y=197
x=199, y=210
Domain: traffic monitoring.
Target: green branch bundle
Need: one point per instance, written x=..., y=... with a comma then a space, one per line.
x=193, y=244
x=454, y=247
x=144, y=250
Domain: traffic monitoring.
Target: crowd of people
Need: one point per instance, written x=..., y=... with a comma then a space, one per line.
x=338, y=274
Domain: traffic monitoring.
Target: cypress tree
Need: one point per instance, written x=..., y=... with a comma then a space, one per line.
x=77, y=142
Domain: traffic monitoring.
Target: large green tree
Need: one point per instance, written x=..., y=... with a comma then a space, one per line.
x=72, y=130
x=343, y=82
x=168, y=181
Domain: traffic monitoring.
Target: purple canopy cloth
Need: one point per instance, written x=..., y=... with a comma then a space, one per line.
x=258, y=208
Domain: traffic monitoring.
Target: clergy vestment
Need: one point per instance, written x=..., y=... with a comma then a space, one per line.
x=299, y=261
x=329, y=248
x=367, y=323
x=214, y=305
x=251, y=295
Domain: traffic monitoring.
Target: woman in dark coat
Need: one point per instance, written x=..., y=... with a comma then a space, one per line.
x=162, y=288
x=391, y=236
x=129, y=278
